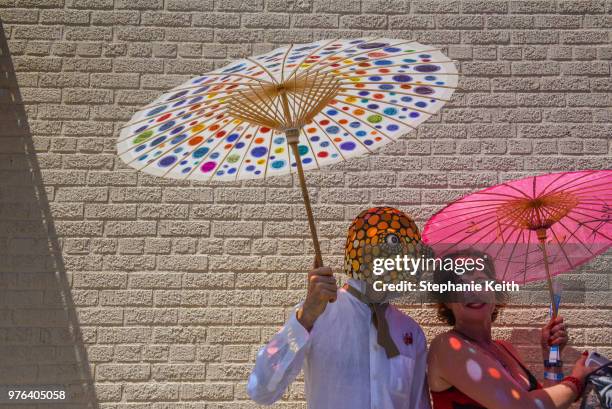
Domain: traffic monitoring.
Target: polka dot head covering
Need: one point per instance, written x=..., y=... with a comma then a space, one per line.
x=381, y=232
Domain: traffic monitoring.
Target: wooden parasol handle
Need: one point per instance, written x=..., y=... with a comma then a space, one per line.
x=542, y=238
x=292, y=139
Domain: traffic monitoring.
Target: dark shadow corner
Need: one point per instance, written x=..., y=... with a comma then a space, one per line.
x=41, y=342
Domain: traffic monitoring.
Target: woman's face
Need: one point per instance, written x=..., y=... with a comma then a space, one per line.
x=472, y=312
x=476, y=307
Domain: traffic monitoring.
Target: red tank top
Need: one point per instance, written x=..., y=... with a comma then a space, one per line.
x=453, y=398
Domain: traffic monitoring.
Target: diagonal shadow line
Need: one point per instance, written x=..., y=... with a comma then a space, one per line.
x=16, y=139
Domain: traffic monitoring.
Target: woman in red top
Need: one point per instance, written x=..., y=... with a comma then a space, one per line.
x=467, y=369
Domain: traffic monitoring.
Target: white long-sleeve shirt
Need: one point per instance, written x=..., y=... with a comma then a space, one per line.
x=344, y=367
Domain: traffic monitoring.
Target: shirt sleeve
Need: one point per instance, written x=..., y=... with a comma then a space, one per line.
x=279, y=362
x=420, y=388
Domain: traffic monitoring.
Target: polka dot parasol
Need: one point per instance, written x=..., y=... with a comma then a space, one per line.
x=296, y=108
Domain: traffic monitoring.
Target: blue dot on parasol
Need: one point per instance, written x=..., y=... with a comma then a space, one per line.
x=259, y=151
x=167, y=161
x=427, y=68
x=347, y=146
x=368, y=46
x=155, y=111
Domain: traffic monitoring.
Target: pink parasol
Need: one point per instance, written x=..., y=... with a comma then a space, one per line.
x=533, y=228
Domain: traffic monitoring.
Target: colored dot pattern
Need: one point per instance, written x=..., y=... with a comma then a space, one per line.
x=380, y=232
x=389, y=87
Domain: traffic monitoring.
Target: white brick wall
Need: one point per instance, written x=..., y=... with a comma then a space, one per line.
x=149, y=293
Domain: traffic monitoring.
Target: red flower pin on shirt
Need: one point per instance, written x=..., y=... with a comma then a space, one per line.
x=408, y=338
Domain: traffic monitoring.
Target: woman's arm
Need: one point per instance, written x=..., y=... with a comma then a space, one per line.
x=456, y=362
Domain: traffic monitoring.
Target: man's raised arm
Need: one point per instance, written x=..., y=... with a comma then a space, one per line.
x=280, y=361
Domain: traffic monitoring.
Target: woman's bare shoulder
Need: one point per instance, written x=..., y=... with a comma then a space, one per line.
x=441, y=342
x=444, y=336
x=437, y=360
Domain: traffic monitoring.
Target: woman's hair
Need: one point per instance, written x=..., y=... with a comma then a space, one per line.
x=444, y=313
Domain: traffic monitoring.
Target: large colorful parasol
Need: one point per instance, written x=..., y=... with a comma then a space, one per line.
x=297, y=107
x=532, y=228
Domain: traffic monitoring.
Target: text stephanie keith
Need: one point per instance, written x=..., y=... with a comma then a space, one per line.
x=448, y=287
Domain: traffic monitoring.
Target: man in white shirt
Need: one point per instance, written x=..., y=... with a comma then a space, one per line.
x=357, y=351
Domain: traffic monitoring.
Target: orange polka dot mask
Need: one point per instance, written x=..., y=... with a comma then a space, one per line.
x=381, y=232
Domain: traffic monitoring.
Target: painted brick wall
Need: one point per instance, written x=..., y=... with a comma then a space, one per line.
x=137, y=290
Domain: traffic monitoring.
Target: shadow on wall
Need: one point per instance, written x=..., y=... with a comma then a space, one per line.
x=40, y=339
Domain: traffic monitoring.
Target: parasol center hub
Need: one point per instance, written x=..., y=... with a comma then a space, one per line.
x=290, y=104
x=293, y=135
x=537, y=214
x=541, y=233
